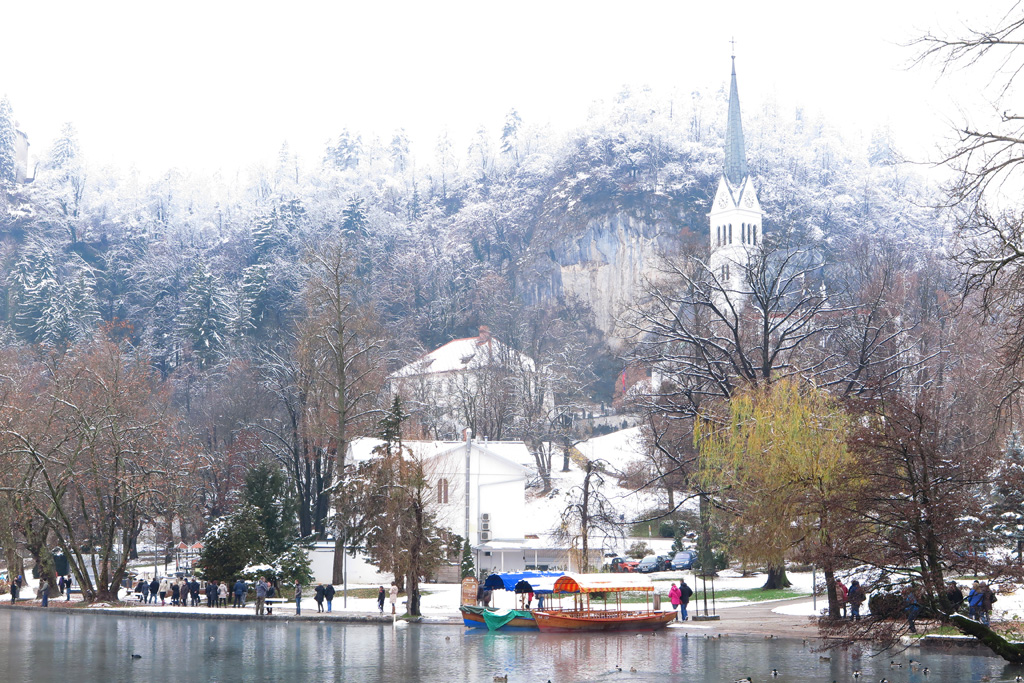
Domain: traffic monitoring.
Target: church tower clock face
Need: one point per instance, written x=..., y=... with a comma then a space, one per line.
x=721, y=203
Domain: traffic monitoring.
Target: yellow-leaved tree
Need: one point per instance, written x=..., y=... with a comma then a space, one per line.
x=775, y=457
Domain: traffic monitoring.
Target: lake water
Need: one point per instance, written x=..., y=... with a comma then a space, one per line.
x=52, y=646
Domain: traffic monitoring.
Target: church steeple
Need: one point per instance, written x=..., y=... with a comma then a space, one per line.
x=735, y=151
x=736, y=214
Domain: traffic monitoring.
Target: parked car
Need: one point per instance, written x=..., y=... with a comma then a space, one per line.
x=684, y=559
x=651, y=563
x=623, y=564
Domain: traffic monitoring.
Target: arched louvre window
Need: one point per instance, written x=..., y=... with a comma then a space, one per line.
x=442, y=491
x=730, y=233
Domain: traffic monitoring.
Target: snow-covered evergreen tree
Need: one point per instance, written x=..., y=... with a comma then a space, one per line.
x=7, y=139
x=1007, y=502
x=65, y=149
x=203, y=320
x=50, y=307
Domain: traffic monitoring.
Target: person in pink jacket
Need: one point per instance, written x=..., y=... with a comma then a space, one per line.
x=674, y=596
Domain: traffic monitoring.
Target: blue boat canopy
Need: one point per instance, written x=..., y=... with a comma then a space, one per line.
x=542, y=582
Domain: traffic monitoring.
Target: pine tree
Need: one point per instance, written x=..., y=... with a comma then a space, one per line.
x=50, y=309
x=8, y=160
x=1007, y=506
x=468, y=568
x=510, y=135
x=203, y=320
x=254, y=306
x=345, y=152
x=353, y=218
x=65, y=149
x=266, y=491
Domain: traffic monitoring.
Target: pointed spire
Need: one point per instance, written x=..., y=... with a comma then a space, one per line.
x=735, y=151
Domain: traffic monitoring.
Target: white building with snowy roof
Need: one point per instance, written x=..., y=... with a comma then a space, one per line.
x=475, y=383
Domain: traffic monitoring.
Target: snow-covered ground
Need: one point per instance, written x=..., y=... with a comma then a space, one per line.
x=618, y=449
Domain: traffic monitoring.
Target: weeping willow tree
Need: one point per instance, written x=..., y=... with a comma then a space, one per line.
x=775, y=457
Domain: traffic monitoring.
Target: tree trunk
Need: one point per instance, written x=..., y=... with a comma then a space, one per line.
x=707, y=557
x=338, y=571
x=1011, y=652
x=834, y=608
x=776, y=578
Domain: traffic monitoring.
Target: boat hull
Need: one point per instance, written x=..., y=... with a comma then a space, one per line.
x=473, y=618
x=597, y=620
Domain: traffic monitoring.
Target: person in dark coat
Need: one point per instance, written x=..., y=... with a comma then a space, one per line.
x=44, y=591
x=318, y=595
x=154, y=588
x=298, y=599
x=856, y=596
x=60, y=584
x=955, y=596
x=329, y=595
x=175, y=593
x=211, y=594
x=380, y=599
x=240, y=589
x=142, y=588
x=195, y=591
x=685, y=592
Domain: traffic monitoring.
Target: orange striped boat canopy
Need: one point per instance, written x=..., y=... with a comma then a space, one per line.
x=602, y=583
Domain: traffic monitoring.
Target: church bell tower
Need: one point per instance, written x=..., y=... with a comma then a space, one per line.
x=736, y=214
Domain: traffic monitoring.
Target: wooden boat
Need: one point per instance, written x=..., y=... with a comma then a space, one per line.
x=570, y=621
x=495, y=619
x=584, y=617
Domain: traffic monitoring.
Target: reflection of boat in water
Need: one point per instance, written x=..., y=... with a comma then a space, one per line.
x=493, y=619
x=510, y=619
x=583, y=617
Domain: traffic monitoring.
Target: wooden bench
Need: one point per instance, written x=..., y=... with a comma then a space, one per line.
x=270, y=602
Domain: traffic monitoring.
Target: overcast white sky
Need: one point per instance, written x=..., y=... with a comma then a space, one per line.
x=221, y=84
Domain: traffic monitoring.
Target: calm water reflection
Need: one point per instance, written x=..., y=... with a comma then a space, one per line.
x=71, y=647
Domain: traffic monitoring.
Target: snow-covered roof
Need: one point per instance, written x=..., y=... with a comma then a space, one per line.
x=471, y=353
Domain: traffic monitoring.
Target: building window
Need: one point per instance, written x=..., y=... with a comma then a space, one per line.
x=730, y=233
x=725, y=272
x=743, y=233
x=754, y=236
x=442, y=491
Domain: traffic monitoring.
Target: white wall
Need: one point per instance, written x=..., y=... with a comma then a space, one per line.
x=321, y=560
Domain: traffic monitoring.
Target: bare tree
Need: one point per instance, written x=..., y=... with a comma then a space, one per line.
x=344, y=346
x=587, y=511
